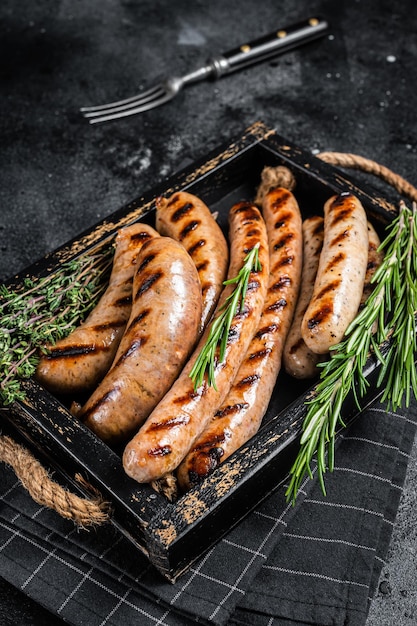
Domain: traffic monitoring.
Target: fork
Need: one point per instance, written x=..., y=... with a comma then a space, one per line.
x=266, y=47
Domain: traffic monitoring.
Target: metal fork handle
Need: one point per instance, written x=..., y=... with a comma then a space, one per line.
x=258, y=50
x=269, y=46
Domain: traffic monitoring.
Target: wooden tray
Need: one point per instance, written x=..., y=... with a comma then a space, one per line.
x=173, y=535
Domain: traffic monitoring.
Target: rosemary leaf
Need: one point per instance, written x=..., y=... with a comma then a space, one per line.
x=220, y=327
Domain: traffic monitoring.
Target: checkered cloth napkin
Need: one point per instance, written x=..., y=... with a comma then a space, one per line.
x=315, y=563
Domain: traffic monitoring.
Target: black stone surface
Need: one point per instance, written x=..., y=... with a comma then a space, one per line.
x=355, y=92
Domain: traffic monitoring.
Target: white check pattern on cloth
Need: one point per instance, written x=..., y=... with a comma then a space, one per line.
x=344, y=551
x=273, y=568
x=85, y=560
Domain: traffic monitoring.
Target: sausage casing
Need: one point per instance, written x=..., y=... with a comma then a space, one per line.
x=78, y=362
x=241, y=413
x=341, y=273
x=299, y=361
x=180, y=417
x=375, y=258
x=187, y=219
x=160, y=334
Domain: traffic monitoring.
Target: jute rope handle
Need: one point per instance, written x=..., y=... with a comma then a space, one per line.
x=353, y=161
x=93, y=511
x=46, y=492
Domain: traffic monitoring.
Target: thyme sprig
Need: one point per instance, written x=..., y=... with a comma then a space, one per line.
x=388, y=317
x=42, y=311
x=220, y=327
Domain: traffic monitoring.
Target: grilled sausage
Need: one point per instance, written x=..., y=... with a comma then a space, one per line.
x=78, y=362
x=375, y=258
x=183, y=413
x=299, y=361
x=160, y=334
x=341, y=273
x=241, y=413
x=187, y=219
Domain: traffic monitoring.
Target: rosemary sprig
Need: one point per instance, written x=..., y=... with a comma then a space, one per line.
x=391, y=307
x=220, y=327
x=42, y=311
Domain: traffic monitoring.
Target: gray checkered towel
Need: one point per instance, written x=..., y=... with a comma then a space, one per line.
x=315, y=563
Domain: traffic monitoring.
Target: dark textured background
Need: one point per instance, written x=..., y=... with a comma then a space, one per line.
x=355, y=91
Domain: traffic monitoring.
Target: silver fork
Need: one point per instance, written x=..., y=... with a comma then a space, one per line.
x=247, y=54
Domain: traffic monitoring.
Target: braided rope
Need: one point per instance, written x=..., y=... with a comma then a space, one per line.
x=353, y=161
x=47, y=492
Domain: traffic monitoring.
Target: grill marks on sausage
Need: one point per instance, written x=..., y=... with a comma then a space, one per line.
x=281, y=197
x=142, y=236
x=201, y=267
x=80, y=350
x=179, y=214
x=321, y=317
x=145, y=262
x=194, y=248
x=285, y=240
x=213, y=442
x=259, y=354
x=283, y=282
x=123, y=302
x=172, y=422
x=284, y=218
x=278, y=305
x=191, y=395
x=131, y=351
x=266, y=330
x=148, y=283
x=75, y=350
x=334, y=284
x=335, y=261
x=340, y=239
x=189, y=228
x=138, y=319
x=324, y=313
x=247, y=383
x=251, y=215
x=226, y=411
x=342, y=207
x=97, y=328
x=166, y=425
x=182, y=210
x=100, y=401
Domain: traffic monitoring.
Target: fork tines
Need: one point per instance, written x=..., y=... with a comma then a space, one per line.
x=153, y=97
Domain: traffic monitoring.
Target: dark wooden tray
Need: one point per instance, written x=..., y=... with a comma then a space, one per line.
x=173, y=535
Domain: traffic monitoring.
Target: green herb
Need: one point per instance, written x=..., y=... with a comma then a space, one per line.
x=42, y=311
x=220, y=327
x=391, y=307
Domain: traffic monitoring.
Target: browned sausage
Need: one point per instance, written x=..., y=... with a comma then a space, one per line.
x=299, y=361
x=187, y=219
x=341, y=273
x=183, y=413
x=78, y=362
x=160, y=334
x=375, y=258
x=241, y=413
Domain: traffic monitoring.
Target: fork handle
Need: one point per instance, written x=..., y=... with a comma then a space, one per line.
x=269, y=46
